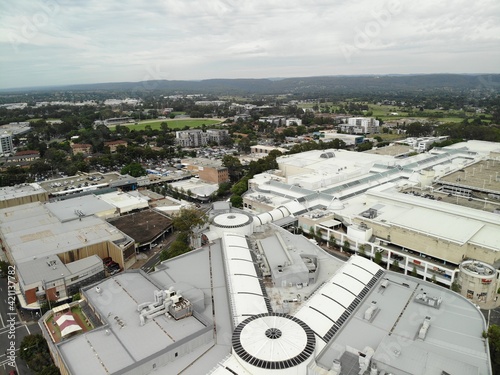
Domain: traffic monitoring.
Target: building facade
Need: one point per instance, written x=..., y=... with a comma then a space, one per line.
x=81, y=148
x=113, y=145
x=360, y=125
x=200, y=138
x=6, y=145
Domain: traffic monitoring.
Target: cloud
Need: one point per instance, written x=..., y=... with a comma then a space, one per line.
x=50, y=42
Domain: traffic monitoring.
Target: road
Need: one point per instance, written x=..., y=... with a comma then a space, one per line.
x=336, y=254
x=12, y=331
x=155, y=258
x=492, y=316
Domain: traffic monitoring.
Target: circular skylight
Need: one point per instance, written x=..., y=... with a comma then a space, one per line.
x=273, y=341
x=232, y=220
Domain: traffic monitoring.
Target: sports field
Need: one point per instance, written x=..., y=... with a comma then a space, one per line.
x=173, y=124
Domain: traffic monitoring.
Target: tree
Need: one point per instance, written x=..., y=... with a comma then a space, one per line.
x=347, y=246
x=187, y=219
x=455, y=286
x=236, y=200
x=134, y=170
x=240, y=187
x=365, y=146
x=493, y=336
x=378, y=257
x=317, y=235
x=4, y=268
x=433, y=279
x=50, y=370
x=164, y=126
x=395, y=265
x=414, y=272
x=332, y=241
x=35, y=352
x=244, y=144
x=223, y=189
x=233, y=165
x=178, y=247
x=361, y=250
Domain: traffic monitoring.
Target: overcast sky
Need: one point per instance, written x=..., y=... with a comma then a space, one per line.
x=54, y=42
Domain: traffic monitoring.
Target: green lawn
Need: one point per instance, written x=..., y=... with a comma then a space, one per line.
x=383, y=111
x=390, y=137
x=174, y=124
x=76, y=310
x=450, y=119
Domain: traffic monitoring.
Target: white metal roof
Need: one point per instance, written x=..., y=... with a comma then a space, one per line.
x=457, y=229
x=244, y=287
x=359, y=274
x=487, y=236
x=350, y=284
x=23, y=190
x=338, y=294
x=369, y=266
x=124, y=201
x=87, y=205
x=324, y=308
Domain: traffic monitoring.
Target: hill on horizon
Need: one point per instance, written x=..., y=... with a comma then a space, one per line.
x=294, y=85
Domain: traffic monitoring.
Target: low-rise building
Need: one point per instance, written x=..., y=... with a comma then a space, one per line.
x=118, y=120
x=113, y=145
x=48, y=279
x=11, y=196
x=81, y=148
x=422, y=144
x=72, y=230
x=349, y=139
x=360, y=125
x=24, y=156
x=275, y=120
x=263, y=149
x=207, y=170
x=293, y=121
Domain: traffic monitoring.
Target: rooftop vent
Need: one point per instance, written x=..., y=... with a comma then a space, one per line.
x=370, y=213
x=424, y=328
x=327, y=155
x=424, y=299
x=336, y=366
x=371, y=311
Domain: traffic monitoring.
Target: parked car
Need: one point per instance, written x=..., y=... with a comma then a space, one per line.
x=112, y=265
x=115, y=271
